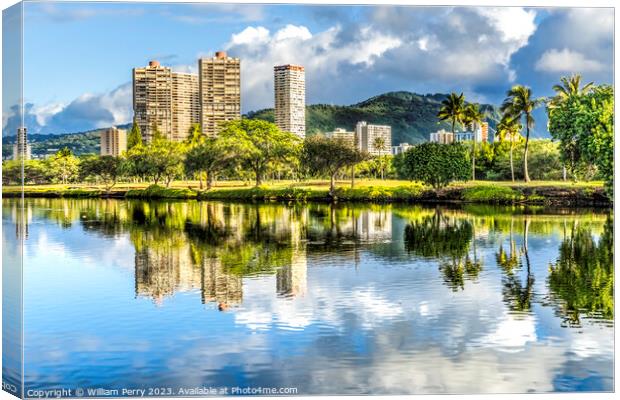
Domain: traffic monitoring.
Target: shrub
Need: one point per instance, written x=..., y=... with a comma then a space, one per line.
x=491, y=194
x=436, y=164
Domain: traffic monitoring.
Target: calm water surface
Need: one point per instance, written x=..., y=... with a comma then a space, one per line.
x=326, y=299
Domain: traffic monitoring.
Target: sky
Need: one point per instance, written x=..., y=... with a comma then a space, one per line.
x=77, y=57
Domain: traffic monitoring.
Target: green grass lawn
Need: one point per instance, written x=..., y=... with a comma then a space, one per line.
x=372, y=190
x=316, y=184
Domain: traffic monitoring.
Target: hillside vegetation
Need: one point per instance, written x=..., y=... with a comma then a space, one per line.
x=412, y=116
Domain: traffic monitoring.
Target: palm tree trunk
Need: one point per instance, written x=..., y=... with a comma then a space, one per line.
x=512, y=167
x=352, y=176
x=332, y=187
x=526, y=175
x=209, y=181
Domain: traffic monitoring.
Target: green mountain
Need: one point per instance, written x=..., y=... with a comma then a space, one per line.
x=412, y=116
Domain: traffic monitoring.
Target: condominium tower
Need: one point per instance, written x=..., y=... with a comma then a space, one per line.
x=113, y=141
x=152, y=100
x=219, y=91
x=21, y=148
x=290, y=99
x=185, y=104
x=374, y=139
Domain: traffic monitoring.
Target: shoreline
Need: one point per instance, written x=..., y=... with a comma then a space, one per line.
x=483, y=193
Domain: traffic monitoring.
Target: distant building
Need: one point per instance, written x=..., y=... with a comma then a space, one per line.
x=401, y=148
x=442, y=136
x=290, y=99
x=481, y=133
x=342, y=134
x=185, y=104
x=367, y=137
x=484, y=132
x=219, y=91
x=21, y=148
x=113, y=142
x=152, y=100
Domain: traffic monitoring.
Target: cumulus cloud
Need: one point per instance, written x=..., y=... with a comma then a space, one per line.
x=90, y=111
x=566, y=60
x=322, y=54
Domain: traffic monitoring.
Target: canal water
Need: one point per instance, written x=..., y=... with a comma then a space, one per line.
x=311, y=298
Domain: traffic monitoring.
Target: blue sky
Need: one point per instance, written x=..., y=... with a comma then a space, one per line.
x=78, y=56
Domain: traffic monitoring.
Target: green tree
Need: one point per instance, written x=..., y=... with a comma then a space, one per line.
x=583, y=276
x=436, y=164
x=159, y=160
x=472, y=117
x=135, y=136
x=259, y=145
x=106, y=169
x=210, y=157
x=508, y=130
x=452, y=110
x=64, y=165
x=195, y=136
x=322, y=155
x=584, y=126
x=518, y=104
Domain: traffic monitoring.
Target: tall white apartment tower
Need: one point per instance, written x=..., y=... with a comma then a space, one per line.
x=21, y=148
x=290, y=99
x=219, y=91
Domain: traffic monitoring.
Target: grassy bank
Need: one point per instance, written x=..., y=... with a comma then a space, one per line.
x=544, y=193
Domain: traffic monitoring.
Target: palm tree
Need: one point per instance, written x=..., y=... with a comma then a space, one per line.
x=452, y=109
x=519, y=103
x=508, y=129
x=380, y=146
x=472, y=117
x=569, y=87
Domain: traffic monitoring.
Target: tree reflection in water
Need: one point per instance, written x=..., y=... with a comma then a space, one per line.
x=582, y=279
x=447, y=239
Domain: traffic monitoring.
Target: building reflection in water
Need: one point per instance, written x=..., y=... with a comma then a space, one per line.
x=218, y=286
x=291, y=280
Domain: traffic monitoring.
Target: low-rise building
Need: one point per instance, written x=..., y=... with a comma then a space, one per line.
x=374, y=139
x=113, y=141
x=401, y=148
x=442, y=136
x=342, y=134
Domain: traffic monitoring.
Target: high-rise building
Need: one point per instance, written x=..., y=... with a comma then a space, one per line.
x=290, y=98
x=442, y=136
x=113, y=141
x=374, y=139
x=21, y=148
x=152, y=100
x=219, y=91
x=185, y=104
x=342, y=134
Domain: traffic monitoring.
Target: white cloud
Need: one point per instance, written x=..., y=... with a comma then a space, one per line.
x=514, y=23
x=566, y=60
x=322, y=54
x=293, y=32
x=44, y=112
x=250, y=35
